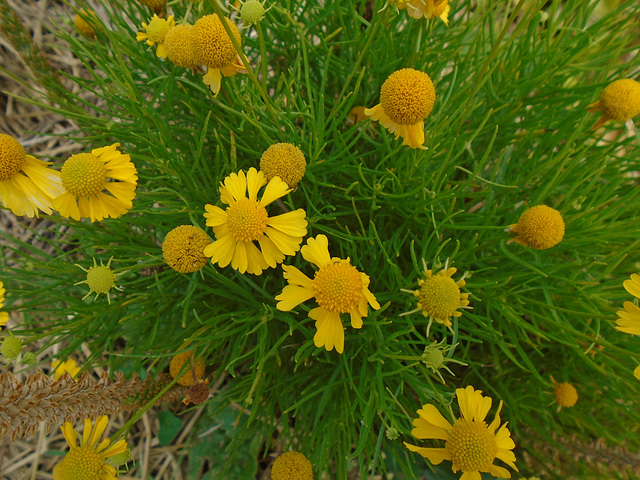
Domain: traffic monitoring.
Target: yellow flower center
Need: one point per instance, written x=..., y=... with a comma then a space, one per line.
x=407, y=96
x=83, y=175
x=566, y=394
x=12, y=156
x=186, y=378
x=285, y=161
x=621, y=99
x=211, y=44
x=292, y=466
x=157, y=29
x=183, y=248
x=178, y=45
x=338, y=287
x=540, y=227
x=472, y=446
x=247, y=220
x=439, y=296
x=100, y=279
x=82, y=463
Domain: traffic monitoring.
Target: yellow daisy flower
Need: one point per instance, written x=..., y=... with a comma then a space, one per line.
x=26, y=184
x=4, y=316
x=88, y=460
x=156, y=32
x=538, y=227
x=284, y=160
x=406, y=99
x=86, y=176
x=192, y=375
x=213, y=48
x=439, y=296
x=470, y=444
x=629, y=319
x=183, y=248
x=60, y=367
x=337, y=286
x=177, y=44
x=246, y=221
x=426, y=8
x=619, y=101
x=292, y=466
x=564, y=393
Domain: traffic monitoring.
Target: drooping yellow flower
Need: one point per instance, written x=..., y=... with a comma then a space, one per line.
x=4, y=316
x=155, y=33
x=88, y=461
x=177, y=43
x=246, y=221
x=338, y=287
x=292, y=466
x=183, y=248
x=284, y=160
x=100, y=279
x=564, y=393
x=87, y=177
x=213, y=48
x=26, y=184
x=60, y=367
x=620, y=101
x=426, y=8
x=538, y=227
x=470, y=444
x=406, y=99
x=629, y=319
x=439, y=296
x=84, y=27
x=191, y=375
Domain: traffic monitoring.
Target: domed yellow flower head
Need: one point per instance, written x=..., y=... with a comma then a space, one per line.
x=100, y=279
x=338, y=288
x=470, y=444
x=291, y=466
x=213, y=48
x=177, y=43
x=90, y=459
x=187, y=378
x=439, y=296
x=285, y=161
x=620, y=101
x=4, y=316
x=26, y=184
x=246, y=221
x=539, y=227
x=155, y=33
x=81, y=23
x=629, y=319
x=426, y=8
x=87, y=177
x=158, y=6
x=565, y=394
x=68, y=366
x=183, y=248
x=406, y=99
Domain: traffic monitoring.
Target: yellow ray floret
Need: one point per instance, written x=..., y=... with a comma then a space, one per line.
x=470, y=444
x=246, y=236
x=97, y=185
x=155, y=32
x=338, y=288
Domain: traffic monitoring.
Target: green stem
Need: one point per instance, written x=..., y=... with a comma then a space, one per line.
x=263, y=55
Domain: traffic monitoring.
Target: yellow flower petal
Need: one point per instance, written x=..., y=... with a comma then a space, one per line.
x=330, y=332
x=434, y=455
x=316, y=251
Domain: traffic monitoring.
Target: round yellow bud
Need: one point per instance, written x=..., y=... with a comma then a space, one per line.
x=407, y=96
x=285, y=161
x=183, y=248
x=621, y=100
